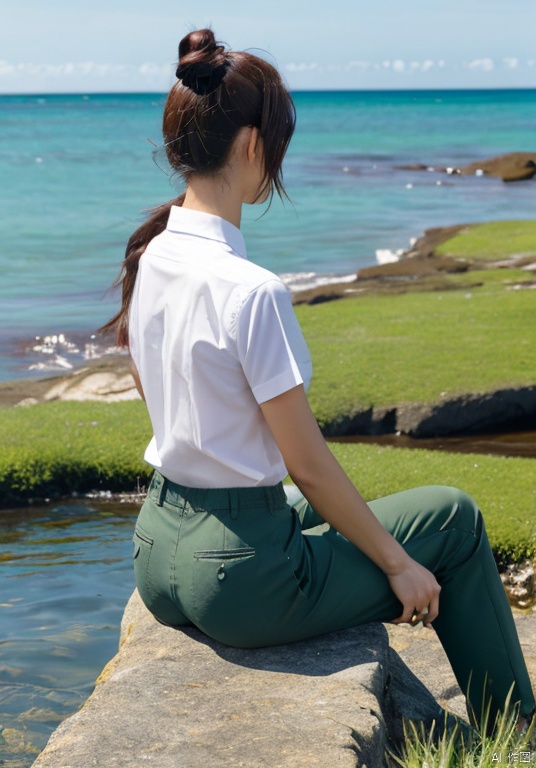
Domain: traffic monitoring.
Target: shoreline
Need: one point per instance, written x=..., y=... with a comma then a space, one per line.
x=423, y=266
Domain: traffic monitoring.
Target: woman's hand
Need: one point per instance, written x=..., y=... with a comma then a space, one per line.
x=418, y=591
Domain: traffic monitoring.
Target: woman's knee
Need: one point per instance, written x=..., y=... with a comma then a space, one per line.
x=460, y=511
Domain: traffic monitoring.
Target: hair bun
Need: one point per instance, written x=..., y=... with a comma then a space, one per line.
x=200, y=45
x=202, y=62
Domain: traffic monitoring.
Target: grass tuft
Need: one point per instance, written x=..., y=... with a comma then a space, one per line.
x=463, y=747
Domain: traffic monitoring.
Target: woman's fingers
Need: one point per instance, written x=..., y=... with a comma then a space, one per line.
x=418, y=591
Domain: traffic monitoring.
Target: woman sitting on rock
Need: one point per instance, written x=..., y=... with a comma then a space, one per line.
x=223, y=367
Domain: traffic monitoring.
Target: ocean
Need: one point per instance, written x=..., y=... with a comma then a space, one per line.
x=78, y=171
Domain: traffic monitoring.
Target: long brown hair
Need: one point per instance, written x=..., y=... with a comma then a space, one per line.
x=217, y=93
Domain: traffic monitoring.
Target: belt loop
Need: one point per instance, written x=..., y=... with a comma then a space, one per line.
x=234, y=495
x=162, y=492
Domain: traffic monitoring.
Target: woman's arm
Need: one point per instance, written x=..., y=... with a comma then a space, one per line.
x=325, y=485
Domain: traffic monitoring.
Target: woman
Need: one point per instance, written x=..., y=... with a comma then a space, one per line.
x=222, y=364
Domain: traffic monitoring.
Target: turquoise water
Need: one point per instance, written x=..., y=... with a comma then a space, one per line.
x=65, y=576
x=78, y=170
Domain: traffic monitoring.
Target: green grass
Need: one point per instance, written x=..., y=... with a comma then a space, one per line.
x=493, y=240
x=56, y=449
x=505, y=488
x=462, y=747
x=419, y=347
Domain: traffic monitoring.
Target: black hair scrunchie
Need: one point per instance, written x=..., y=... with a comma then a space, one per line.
x=201, y=77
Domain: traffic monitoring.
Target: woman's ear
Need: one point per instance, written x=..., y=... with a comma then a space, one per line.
x=257, y=189
x=254, y=145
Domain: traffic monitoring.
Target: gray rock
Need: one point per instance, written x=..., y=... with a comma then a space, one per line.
x=472, y=413
x=176, y=699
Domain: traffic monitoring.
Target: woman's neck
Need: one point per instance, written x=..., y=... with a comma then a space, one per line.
x=216, y=195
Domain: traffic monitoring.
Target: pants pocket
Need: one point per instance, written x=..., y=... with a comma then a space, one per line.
x=225, y=557
x=221, y=584
x=141, y=555
x=295, y=551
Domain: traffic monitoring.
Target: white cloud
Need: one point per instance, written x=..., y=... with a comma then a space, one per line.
x=396, y=65
x=485, y=65
x=6, y=68
x=66, y=69
x=302, y=67
x=359, y=64
x=71, y=76
x=422, y=66
x=511, y=62
x=153, y=70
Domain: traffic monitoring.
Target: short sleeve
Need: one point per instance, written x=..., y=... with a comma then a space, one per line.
x=270, y=343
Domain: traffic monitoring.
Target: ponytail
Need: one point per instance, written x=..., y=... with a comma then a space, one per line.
x=138, y=242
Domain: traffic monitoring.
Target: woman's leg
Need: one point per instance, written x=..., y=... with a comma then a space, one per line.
x=442, y=528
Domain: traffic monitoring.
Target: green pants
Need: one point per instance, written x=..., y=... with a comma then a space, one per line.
x=253, y=567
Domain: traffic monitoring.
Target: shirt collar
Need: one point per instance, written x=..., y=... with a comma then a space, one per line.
x=207, y=226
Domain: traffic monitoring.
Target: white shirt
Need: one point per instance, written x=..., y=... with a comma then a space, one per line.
x=212, y=336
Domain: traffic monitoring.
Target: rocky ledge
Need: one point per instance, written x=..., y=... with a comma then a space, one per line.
x=177, y=698
x=418, y=268
x=105, y=379
x=474, y=413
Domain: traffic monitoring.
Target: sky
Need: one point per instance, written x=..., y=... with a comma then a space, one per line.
x=66, y=46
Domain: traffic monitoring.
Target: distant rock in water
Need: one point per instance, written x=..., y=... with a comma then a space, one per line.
x=512, y=166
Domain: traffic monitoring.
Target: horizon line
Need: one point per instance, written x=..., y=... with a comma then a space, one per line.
x=292, y=90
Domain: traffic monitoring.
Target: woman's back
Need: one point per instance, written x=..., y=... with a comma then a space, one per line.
x=211, y=334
